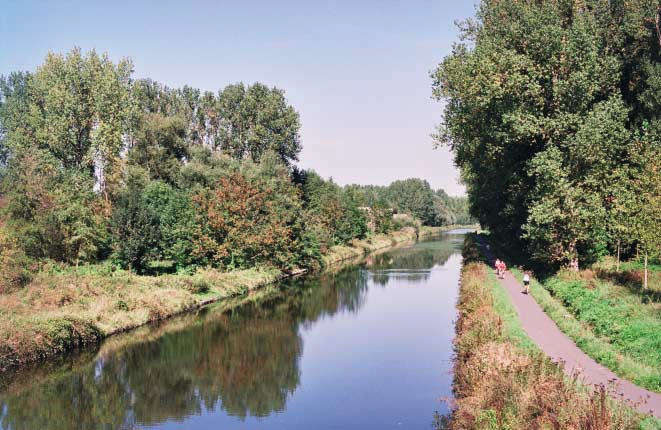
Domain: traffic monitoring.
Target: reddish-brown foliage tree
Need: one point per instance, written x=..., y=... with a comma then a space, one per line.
x=239, y=225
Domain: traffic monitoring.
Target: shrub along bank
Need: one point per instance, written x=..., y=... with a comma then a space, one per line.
x=501, y=378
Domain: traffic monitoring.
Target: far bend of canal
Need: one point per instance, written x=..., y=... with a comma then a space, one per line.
x=367, y=347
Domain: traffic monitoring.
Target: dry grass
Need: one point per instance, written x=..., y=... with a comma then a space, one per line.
x=500, y=384
x=55, y=313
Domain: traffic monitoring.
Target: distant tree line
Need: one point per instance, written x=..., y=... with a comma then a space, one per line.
x=96, y=166
x=416, y=197
x=554, y=116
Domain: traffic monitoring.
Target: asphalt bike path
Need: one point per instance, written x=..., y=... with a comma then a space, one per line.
x=561, y=349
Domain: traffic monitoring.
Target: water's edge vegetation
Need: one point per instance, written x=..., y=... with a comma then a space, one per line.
x=502, y=380
x=85, y=309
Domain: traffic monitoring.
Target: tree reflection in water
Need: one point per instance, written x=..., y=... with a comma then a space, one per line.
x=244, y=361
x=246, y=364
x=414, y=263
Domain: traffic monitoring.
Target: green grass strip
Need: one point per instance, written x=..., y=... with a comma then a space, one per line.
x=504, y=307
x=597, y=348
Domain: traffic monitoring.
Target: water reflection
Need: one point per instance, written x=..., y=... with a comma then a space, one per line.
x=413, y=263
x=244, y=361
x=245, y=364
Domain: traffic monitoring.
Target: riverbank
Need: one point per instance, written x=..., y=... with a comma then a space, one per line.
x=58, y=312
x=616, y=323
x=502, y=380
x=378, y=242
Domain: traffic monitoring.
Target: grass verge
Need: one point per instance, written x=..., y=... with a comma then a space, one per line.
x=607, y=321
x=502, y=381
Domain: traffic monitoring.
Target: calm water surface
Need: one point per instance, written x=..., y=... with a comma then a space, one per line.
x=368, y=347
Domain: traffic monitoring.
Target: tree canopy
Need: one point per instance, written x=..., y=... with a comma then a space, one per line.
x=96, y=166
x=552, y=112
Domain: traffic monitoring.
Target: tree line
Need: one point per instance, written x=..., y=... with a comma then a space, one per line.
x=553, y=114
x=97, y=166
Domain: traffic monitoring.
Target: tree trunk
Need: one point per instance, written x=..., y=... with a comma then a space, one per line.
x=645, y=281
x=573, y=261
x=658, y=24
x=617, y=265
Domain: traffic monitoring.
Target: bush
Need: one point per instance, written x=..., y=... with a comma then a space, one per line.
x=152, y=222
x=199, y=286
x=14, y=264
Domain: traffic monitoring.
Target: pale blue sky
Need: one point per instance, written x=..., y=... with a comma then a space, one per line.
x=357, y=71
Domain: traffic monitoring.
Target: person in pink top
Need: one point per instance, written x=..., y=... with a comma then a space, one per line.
x=503, y=269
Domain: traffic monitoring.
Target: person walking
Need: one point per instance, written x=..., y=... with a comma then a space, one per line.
x=503, y=269
x=526, y=282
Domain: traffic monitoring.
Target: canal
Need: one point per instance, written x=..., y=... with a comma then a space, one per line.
x=366, y=347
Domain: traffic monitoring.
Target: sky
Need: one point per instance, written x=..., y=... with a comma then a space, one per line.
x=356, y=71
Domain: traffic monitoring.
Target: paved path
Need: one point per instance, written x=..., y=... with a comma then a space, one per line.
x=543, y=331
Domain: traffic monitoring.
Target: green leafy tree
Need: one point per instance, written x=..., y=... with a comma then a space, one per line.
x=78, y=214
x=15, y=129
x=79, y=109
x=160, y=147
x=415, y=197
x=53, y=212
x=352, y=223
x=568, y=85
x=256, y=119
x=382, y=216
x=152, y=221
x=335, y=214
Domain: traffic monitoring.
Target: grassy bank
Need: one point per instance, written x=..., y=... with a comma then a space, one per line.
x=609, y=322
x=501, y=378
x=608, y=315
x=57, y=366
x=60, y=311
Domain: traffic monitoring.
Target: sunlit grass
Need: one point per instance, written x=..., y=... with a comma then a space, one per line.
x=630, y=339
x=502, y=380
